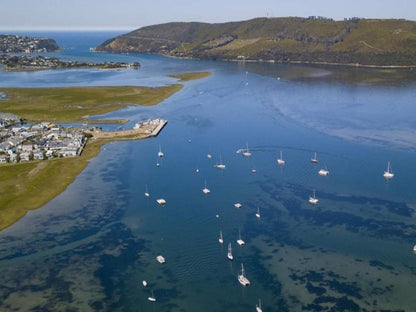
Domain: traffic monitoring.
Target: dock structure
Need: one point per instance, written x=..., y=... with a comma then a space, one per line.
x=145, y=130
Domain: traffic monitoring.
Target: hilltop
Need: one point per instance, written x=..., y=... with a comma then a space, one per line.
x=371, y=42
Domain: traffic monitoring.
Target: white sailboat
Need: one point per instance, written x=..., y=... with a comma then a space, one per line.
x=160, y=259
x=323, y=172
x=314, y=159
x=247, y=153
x=206, y=190
x=258, y=213
x=280, y=160
x=242, y=278
x=239, y=240
x=312, y=199
x=220, y=165
x=161, y=201
x=388, y=174
x=160, y=153
x=221, y=239
x=258, y=306
x=146, y=193
x=144, y=283
x=152, y=297
x=230, y=252
x=238, y=205
x=414, y=248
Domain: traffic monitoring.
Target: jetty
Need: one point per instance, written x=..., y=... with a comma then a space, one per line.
x=142, y=129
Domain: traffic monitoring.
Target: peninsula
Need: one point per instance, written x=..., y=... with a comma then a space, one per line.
x=352, y=41
x=38, y=62
x=29, y=183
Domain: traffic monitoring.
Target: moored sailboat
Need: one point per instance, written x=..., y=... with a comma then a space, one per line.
x=242, y=278
x=280, y=160
x=388, y=174
x=230, y=252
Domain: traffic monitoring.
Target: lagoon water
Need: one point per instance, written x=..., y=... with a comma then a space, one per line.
x=90, y=248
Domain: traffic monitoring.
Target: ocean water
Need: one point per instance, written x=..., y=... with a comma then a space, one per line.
x=90, y=248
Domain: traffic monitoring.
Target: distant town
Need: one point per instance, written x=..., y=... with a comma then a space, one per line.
x=38, y=62
x=23, y=44
x=11, y=59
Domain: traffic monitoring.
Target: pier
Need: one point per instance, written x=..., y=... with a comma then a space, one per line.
x=150, y=129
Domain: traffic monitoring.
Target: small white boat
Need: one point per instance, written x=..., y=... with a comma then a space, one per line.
x=160, y=153
x=197, y=170
x=323, y=172
x=242, y=278
x=239, y=240
x=247, y=153
x=258, y=213
x=312, y=199
x=258, y=306
x=238, y=205
x=221, y=239
x=314, y=159
x=144, y=283
x=280, y=160
x=206, y=190
x=161, y=201
x=388, y=174
x=157, y=164
x=146, y=193
x=152, y=298
x=209, y=156
x=230, y=252
x=160, y=259
x=414, y=248
x=253, y=170
x=220, y=165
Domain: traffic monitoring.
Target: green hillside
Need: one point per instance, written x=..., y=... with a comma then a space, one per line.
x=381, y=42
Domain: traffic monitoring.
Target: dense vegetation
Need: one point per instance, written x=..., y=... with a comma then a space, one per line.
x=381, y=42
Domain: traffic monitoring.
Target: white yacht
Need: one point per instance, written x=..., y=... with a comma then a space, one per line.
x=220, y=165
x=206, y=190
x=258, y=306
x=152, y=297
x=280, y=160
x=144, y=283
x=161, y=201
x=323, y=172
x=221, y=239
x=258, y=213
x=146, y=193
x=312, y=199
x=239, y=240
x=242, y=278
x=388, y=174
x=238, y=205
x=314, y=159
x=247, y=152
x=160, y=153
x=230, y=252
x=160, y=259
x=414, y=248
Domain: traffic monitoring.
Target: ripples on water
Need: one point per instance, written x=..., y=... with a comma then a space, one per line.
x=90, y=248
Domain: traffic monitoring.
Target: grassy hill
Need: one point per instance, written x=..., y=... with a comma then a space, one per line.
x=381, y=42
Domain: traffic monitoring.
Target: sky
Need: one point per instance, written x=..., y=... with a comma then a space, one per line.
x=133, y=14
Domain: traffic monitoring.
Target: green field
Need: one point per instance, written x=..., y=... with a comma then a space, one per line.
x=75, y=104
x=190, y=75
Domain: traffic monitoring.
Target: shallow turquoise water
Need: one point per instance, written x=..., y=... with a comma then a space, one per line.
x=90, y=248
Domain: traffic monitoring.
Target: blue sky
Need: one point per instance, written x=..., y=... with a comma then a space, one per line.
x=132, y=14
